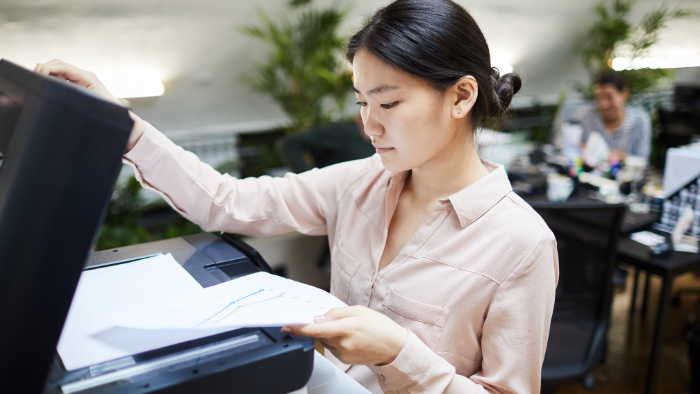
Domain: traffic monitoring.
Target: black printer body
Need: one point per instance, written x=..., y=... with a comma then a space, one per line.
x=242, y=360
x=60, y=154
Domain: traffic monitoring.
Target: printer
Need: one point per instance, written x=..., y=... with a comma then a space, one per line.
x=60, y=153
x=236, y=361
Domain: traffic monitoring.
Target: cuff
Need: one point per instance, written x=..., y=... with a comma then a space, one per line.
x=410, y=366
x=149, y=149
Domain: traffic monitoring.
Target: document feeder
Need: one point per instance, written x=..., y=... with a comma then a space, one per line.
x=247, y=360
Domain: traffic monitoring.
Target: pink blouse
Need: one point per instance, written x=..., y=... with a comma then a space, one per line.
x=474, y=285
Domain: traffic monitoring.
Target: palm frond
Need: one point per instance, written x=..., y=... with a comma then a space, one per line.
x=303, y=69
x=612, y=34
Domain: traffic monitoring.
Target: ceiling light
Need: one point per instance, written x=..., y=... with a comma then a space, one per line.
x=621, y=63
x=132, y=82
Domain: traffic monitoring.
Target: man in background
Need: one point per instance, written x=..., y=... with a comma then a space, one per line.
x=626, y=129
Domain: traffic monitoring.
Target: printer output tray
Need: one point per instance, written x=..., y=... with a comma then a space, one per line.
x=247, y=360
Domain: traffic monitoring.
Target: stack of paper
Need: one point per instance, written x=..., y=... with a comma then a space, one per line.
x=256, y=300
x=647, y=238
x=131, y=308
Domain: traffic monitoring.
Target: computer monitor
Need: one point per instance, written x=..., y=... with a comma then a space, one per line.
x=61, y=149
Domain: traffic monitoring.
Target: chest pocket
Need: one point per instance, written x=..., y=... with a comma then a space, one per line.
x=424, y=320
x=343, y=269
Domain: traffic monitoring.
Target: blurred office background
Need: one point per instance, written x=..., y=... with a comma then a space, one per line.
x=200, y=55
x=193, y=70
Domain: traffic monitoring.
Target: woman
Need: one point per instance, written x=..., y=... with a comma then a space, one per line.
x=626, y=129
x=450, y=276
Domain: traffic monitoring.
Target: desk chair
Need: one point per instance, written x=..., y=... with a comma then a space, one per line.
x=587, y=236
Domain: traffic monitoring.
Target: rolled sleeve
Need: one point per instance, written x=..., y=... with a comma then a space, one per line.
x=409, y=367
x=148, y=150
x=418, y=369
x=218, y=202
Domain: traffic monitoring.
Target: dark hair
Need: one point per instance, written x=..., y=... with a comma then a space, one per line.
x=440, y=42
x=613, y=79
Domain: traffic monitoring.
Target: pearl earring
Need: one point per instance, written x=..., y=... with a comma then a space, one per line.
x=459, y=112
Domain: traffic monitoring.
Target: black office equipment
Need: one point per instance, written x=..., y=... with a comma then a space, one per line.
x=687, y=98
x=680, y=125
x=675, y=203
x=236, y=361
x=61, y=150
x=587, y=236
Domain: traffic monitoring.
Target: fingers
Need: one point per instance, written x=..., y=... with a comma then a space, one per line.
x=329, y=325
x=356, y=335
x=340, y=313
x=320, y=330
x=73, y=74
x=67, y=71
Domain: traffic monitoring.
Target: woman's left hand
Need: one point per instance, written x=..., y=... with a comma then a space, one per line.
x=356, y=335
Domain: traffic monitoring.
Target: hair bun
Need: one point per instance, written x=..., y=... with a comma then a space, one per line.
x=505, y=87
x=508, y=85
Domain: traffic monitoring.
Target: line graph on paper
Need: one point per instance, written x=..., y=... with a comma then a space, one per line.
x=223, y=316
x=255, y=300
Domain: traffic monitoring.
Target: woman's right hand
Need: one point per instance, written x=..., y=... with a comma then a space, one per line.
x=88, y=80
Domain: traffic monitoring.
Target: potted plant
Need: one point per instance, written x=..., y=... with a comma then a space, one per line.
x=612, y=36
x=305, y=73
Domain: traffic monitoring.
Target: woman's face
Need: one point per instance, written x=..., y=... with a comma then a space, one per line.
x=410, y=124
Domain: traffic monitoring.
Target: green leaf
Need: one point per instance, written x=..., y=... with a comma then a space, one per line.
x=299, y=3
x=612, y=32
x=304, y=68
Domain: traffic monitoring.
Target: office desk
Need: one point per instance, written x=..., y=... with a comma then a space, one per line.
x=631, y=223
x=637, y=255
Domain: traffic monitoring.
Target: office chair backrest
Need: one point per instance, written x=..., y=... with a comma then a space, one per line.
x=587, y=237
